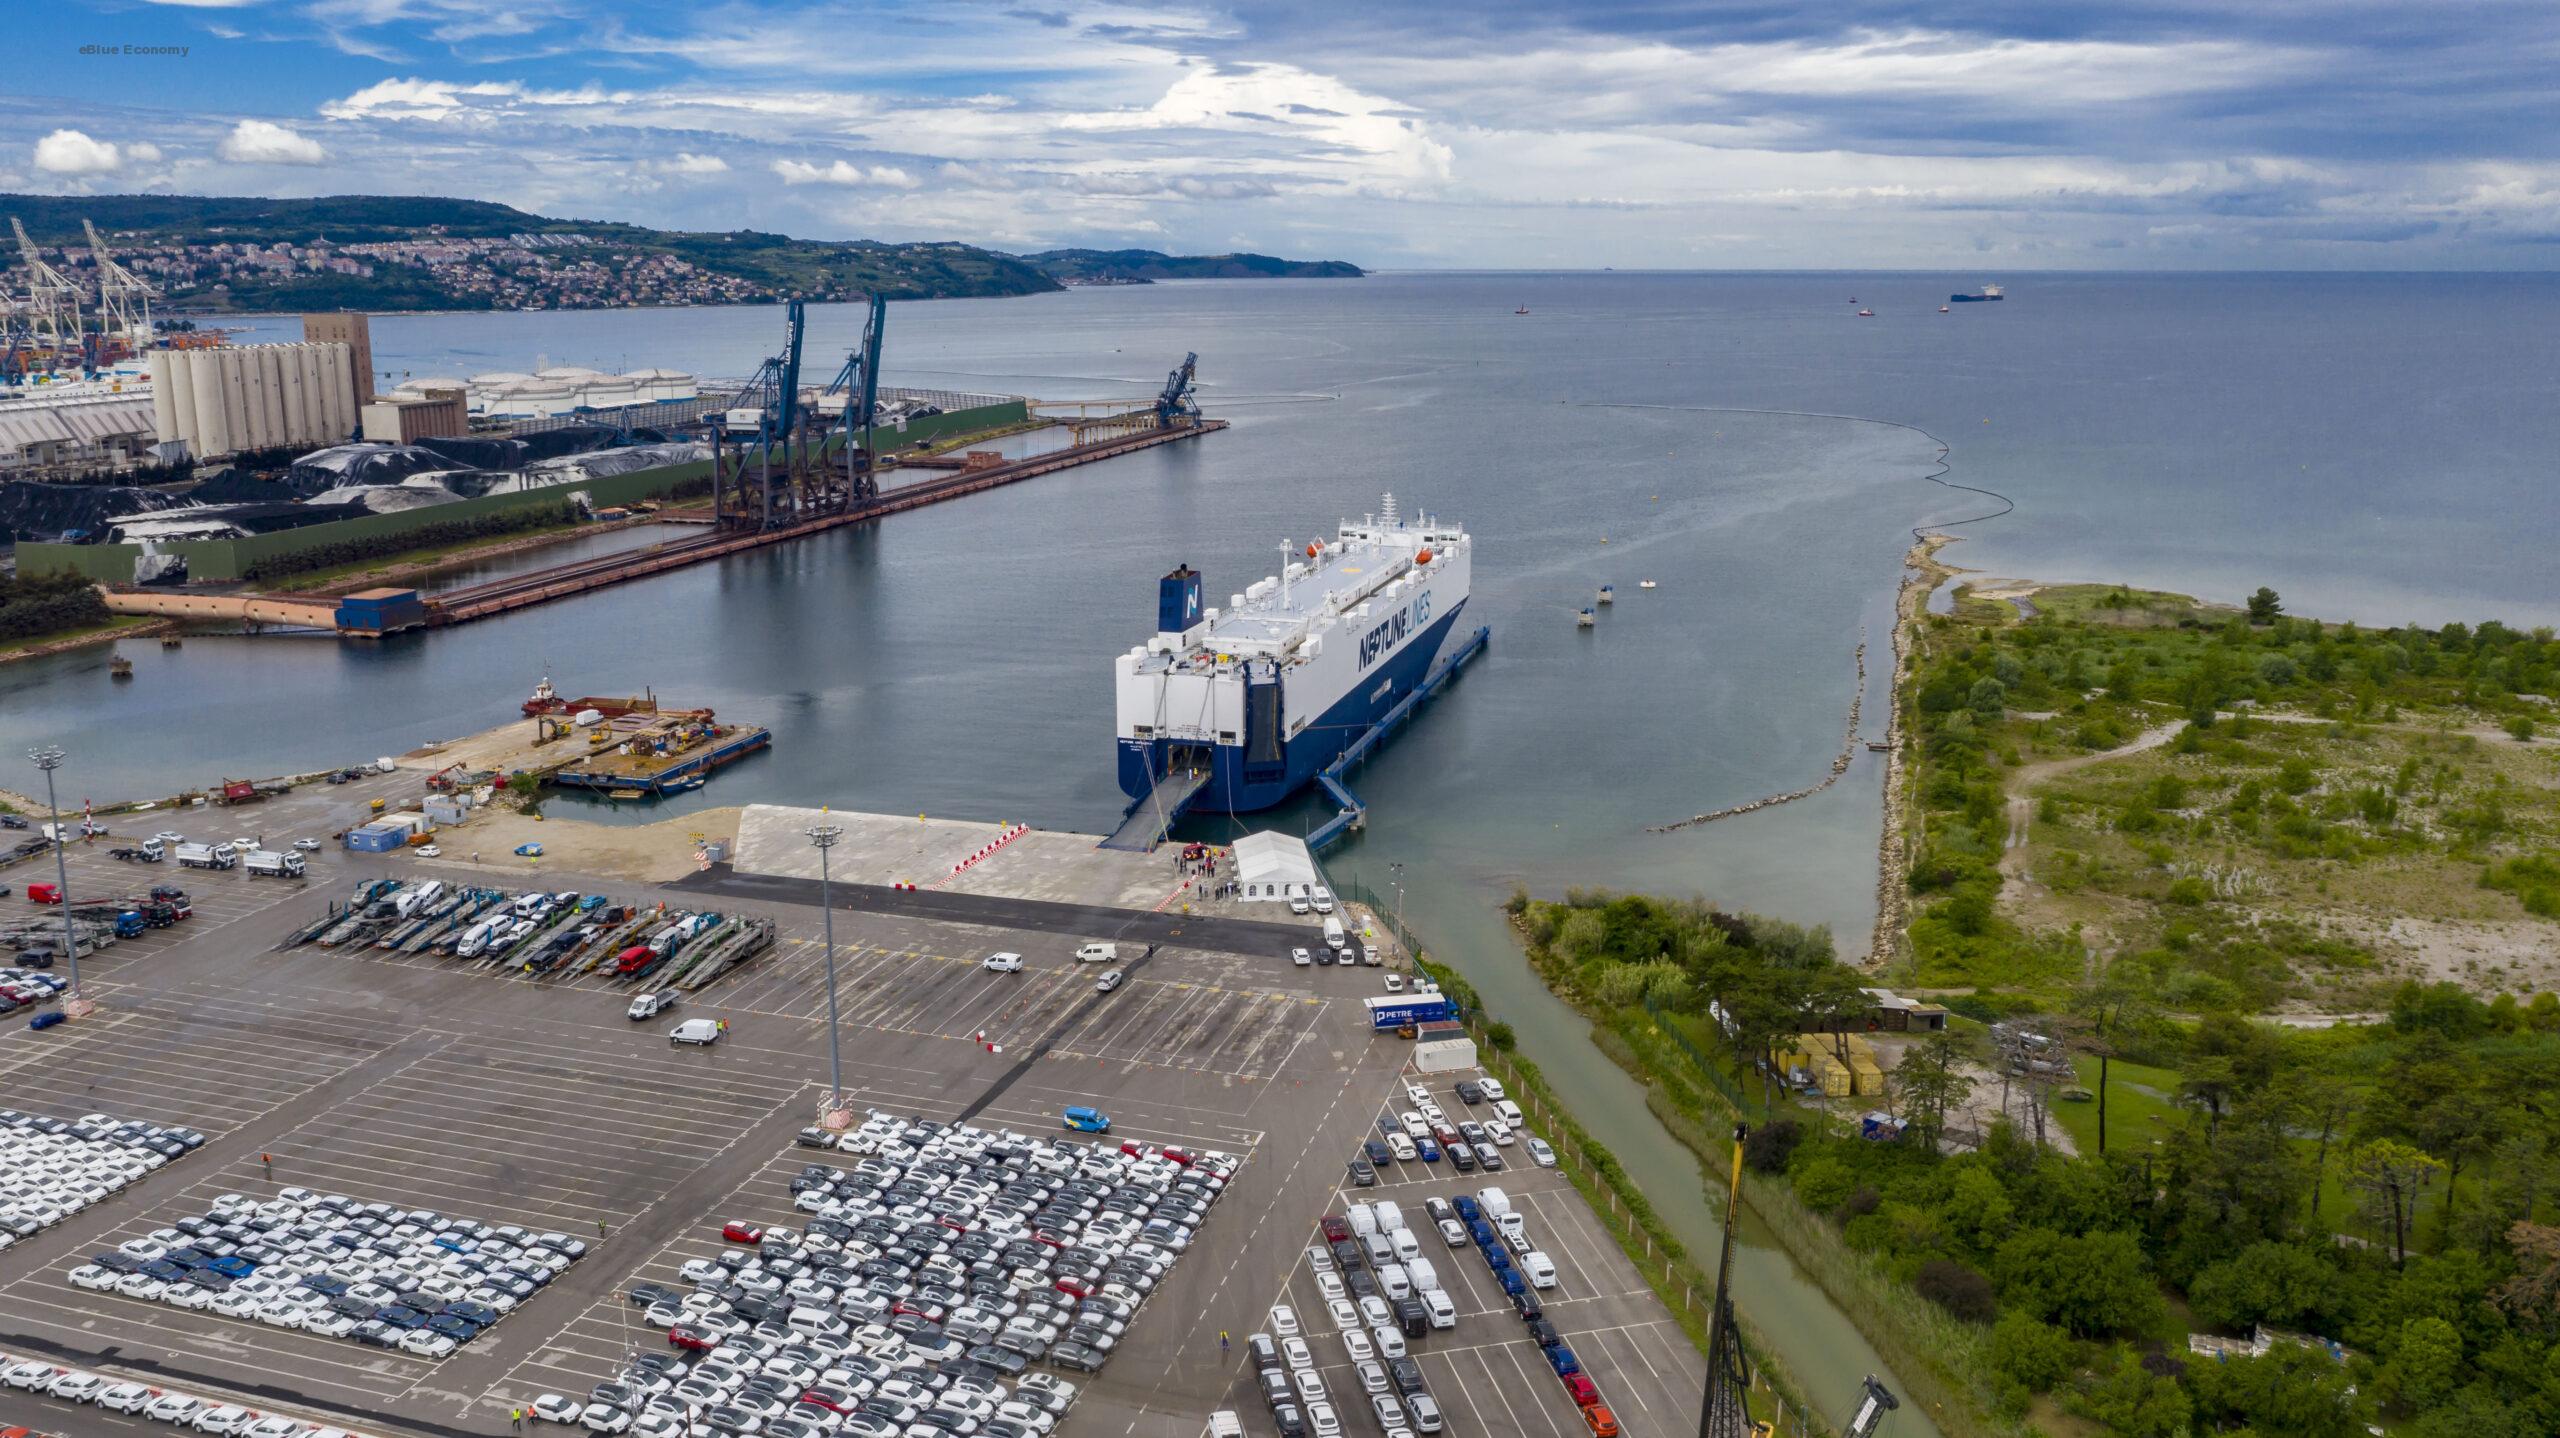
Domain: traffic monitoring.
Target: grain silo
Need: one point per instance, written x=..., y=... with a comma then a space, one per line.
x=295, y=393
x=270, y=360
x=164, y=390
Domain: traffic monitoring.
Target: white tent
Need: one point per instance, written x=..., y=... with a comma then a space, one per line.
x=1273, y=866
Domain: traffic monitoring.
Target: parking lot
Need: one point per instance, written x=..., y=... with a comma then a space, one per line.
x=1487, y=1374
x=538, y=1104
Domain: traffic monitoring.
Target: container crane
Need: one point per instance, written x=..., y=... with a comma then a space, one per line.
x=1176, y=407
x=53, y=301
x=766, y=414
x=859, y=383
x=124, y=298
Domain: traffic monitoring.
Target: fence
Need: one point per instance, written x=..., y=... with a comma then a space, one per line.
x=1724, y=1083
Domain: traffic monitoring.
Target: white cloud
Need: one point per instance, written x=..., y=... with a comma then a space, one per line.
x=842, y=172
x=688, y=163
x=69, y=152
x=142, y=152
x=263, y=142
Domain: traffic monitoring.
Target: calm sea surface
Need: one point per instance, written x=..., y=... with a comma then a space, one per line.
x=2376, y=448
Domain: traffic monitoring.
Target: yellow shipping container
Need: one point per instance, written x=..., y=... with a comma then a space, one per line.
x=1865, y=1078
x=1828, y=1073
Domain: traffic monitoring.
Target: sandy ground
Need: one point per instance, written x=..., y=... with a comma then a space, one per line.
x=2515, y=955
x=646, y=853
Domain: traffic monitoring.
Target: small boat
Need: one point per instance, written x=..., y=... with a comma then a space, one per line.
x=625, y=794
x=1524, y=309
x=170, y=641
x=682, y=786
x=1608, y=594
x=120, y=667
x=1585, y=619
x=1942, y=309
x=1866, y=314
x=1644, y=584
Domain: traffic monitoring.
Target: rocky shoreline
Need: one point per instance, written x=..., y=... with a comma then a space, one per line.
x=1921, y=576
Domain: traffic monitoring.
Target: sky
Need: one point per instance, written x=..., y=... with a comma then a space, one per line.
x=1983, y=135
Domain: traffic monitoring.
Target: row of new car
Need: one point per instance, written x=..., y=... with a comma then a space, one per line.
x=413, y=1280
x=1425, y=1133
x=160, y=1405
x=931, y=1274
x=52, y=1168
x=1499, y=1233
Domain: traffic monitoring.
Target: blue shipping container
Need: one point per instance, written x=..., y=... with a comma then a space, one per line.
x=373, y=840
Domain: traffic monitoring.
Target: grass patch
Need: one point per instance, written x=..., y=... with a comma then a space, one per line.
x=113, y=627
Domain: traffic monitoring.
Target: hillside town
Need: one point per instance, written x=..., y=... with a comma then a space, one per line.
x=520, y=271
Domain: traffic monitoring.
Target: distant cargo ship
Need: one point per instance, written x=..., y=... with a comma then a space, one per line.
x=1246, y=704
x=1989, y=292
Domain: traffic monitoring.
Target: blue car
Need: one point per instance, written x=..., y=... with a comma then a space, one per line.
x=1513, y=1285
x=399, y=1317
x=1562, y=1360
x=1482, y=1232
x=451, y=1244
x=1428, y=1150
x=1087, y=1120
x=233, y=1266
x=1498, y=1260
x=1468, y=1209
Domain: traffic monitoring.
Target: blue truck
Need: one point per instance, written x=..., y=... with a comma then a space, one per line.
x=1396, y=1011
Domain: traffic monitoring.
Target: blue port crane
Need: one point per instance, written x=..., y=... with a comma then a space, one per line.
x=859, y=383
x=772, y=397
x=1176, y=407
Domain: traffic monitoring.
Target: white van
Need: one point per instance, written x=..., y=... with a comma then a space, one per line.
x=1103, y=953
x=1426, y=1279
x=1540, y=1268
x=817, y=1322
x=1442, y=1311
x=1364, y=1219
x=1408, y=1247
x=695, y=1031
x=1333, y=931
x=1225, y=1424
x=1393, y=1280
x=1390, y=1217
x=1495, y=1201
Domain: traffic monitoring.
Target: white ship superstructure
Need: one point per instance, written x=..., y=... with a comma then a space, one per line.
x=1245, y=702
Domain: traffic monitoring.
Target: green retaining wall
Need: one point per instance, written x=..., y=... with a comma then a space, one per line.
x=222, y=560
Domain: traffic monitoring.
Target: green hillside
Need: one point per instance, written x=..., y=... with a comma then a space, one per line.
x=1140, y=266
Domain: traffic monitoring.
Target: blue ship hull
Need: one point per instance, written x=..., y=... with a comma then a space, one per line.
x=1974, y=299
x=1238, y=788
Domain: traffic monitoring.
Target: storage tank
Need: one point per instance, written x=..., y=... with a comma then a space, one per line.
x=241, y=401
x=164, y=404
x=342, y=392
x=211, y=415
x=293, y=388
x=271, y=359
x=182, y=397
x=325, y=391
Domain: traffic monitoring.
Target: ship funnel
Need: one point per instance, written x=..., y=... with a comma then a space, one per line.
x=1178, y=600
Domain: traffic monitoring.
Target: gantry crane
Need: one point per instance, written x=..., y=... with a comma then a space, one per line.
x=124, y=298
x=1175, y=407
x=859, y=383
x=765, y=418
x=53, y=303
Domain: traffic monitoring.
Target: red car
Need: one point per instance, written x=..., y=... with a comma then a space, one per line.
x=1335, y=1229
x=742, y=1233
x=1182, y=1156
x=1133, y=1148
x=929, y=1312
x=1074, y=1287
x=1584, y=1391
x=828, y=1399
x=692, y=1340
x=1042, y=1235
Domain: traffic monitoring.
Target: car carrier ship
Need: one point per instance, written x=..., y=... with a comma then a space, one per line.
x=1234, y=709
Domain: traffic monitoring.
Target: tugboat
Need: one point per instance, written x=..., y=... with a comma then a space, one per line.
x=1608, y=594
x=1584, y=619
x=120, y=667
